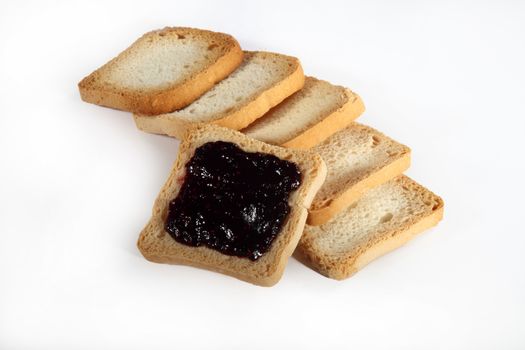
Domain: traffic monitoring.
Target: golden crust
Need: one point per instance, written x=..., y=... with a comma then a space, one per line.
x=332, y=123
x=318, y=216
x=352, y=188
x=238, y=118
x=343, y=266
x=247, y=114
x=174, y=96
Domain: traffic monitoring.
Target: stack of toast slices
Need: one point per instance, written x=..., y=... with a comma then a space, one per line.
x=353, y=203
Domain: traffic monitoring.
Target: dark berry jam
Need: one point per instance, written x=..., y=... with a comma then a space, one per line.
x=231, y=200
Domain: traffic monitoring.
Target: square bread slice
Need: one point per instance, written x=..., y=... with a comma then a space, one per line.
x=358, y=158
x=385, y=218
x=158, y=246
x=163, y=71
x=309, y=116
x=262, y=81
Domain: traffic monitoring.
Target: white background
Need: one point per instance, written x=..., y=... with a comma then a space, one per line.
x=77, y=182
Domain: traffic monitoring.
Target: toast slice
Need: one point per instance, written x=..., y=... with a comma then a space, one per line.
x=158, y=246
x=358, y=158
x=261, y=82
x=309, y=116
x=163, y=71
x=384, y=219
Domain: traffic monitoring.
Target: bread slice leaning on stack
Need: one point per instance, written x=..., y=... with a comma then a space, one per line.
x=358, y=158
x=262, y=81
x=158, y=246
x=163, y=71
x=309, y=116
x=384, y=219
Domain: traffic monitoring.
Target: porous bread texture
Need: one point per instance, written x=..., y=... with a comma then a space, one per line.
x=262, y=81
x=162, y=71
x=309, y=116
x=385, y=218
x=358, y=158
x=158, y=246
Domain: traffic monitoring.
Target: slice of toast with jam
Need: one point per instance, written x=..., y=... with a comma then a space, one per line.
x=232, y=204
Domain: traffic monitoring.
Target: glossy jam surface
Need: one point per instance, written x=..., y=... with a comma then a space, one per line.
x=231, y=200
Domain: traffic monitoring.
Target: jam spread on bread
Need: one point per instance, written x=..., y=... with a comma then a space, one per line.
x=232, y=201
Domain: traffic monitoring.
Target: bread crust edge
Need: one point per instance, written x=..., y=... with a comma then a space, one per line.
x=332, y=123
x=364, y=253
x=168, y=99
x=237, y=119
x=353, y=193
